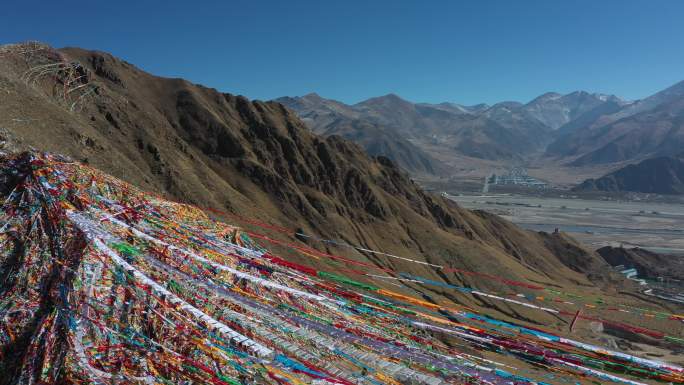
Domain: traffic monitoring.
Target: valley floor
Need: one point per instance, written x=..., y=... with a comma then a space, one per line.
x=655, y=226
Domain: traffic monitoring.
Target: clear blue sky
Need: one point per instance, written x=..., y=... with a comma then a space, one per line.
x=427, y=51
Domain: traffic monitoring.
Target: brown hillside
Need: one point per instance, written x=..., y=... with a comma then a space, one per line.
x=257, y=159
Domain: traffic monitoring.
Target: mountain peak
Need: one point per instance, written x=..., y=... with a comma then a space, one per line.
x=388, y=100
x=507, y=104
x=392, y=97
x=546, y=97
x=312, y=95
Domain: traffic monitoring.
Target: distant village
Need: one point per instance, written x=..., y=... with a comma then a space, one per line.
x=515, y=176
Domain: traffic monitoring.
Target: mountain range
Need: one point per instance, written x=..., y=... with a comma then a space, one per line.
x=577, y=129
x=504, y=131
x=646, y=128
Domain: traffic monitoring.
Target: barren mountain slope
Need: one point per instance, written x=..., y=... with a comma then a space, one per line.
x=258, y=160
x=504, y=131
x=556, y=110
x=616, y=133
x=328, y=117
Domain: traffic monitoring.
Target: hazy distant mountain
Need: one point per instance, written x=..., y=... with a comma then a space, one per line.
x=662, y=175
x=666, y=96
x=579, y=128
x=458, y=108
x=378, y=141
x=613, y=132
x=318, y=112
x=533, y=134
x=555, y=110
x=589, y=117
x=507, y=130
x=329, y=117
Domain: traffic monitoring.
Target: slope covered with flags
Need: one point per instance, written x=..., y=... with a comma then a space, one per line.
x=101, y=283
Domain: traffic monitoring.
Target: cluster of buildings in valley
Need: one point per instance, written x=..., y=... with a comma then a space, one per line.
x=516, y=176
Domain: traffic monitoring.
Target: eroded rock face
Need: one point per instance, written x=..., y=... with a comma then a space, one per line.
x=102, y=66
